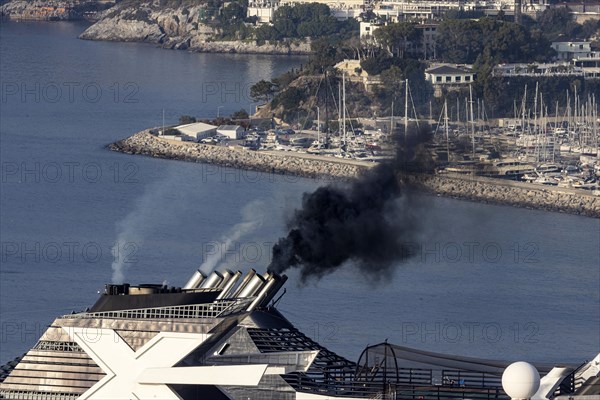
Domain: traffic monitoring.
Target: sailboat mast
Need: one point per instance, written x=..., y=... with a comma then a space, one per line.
x=472, y=120
x=392, y=120
x=344, y=110
x=535, y=123
x=340, y=110
x=326, y=111
x=447, y=133
x=318, y=127
x=524, y=110
x=406, y=109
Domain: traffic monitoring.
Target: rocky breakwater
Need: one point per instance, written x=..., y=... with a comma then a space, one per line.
x=480, y=189
x=234, y=157
x=519, y=194
x=177, y=25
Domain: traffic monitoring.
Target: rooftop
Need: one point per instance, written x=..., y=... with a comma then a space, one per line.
x=228, y=127
x=194, y=127
x=448, y=70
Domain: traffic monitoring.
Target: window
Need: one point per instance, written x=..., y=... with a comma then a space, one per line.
x=448, y=79
x=458, y=79
x=467, y=78
x=438, y=78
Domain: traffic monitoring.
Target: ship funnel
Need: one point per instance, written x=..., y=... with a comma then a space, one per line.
x=227, y=274
x=271, y=290
x=260, y=294
x=212, y=281
x=244, y=282
x=228, y=286
x=252, y=287
x=197, y=278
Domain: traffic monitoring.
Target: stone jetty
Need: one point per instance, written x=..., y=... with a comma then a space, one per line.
x=514, y=193
x=236, y=157
x=481, y=189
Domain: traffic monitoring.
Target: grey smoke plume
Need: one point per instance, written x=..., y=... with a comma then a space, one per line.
x=153, y=209
x=252, y=218
x=132, y=230
x=363, y=222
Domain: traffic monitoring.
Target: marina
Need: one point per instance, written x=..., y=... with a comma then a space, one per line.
x=535, y=147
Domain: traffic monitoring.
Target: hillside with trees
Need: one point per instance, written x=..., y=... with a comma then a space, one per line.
x=392, y=56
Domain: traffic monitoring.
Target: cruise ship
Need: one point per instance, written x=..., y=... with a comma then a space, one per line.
x=222, y=337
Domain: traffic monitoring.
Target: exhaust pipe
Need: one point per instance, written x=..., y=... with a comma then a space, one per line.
x=269, y=282
x=273, y=290
x=212, y=281
x=228, y=287
x=227, y=274
x=245, y=281
x=252, y=287
x=197, y=278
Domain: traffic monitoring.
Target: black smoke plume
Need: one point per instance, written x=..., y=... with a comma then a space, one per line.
x=370, y=222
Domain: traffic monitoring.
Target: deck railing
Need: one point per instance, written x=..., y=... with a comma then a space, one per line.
x=209, y=310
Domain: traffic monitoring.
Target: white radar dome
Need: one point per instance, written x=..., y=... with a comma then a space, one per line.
x=520, y=380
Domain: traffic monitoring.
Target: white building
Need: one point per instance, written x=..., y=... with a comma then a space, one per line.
x=395, y=10
x=572, y=50
x=590, y=64
x=449, y=75
x=262, y=9
x=540, y=69
x=196, y=131
x=367, y=29
x=231, y=131
x=340, y=9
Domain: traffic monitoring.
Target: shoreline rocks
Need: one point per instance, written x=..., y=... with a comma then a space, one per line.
x=147, y=144
x=53, y=10
x=480, y=189
x=512, y=193
x=179, y=28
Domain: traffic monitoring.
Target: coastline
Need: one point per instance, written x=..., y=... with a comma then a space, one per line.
x=473, y=188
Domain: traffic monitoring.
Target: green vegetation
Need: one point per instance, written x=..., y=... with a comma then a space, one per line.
x=558, y=24
x=240, y=114
x=394, y=56
x=186, y=119
x=289, y=98
x=262, y=91
x=394, y=38
x=302, y=20
x=489, y=41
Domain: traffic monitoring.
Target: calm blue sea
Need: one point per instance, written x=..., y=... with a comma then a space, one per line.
x=488, y=281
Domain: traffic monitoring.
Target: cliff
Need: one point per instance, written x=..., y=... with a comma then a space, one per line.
x=54, y=10
x=177, y=25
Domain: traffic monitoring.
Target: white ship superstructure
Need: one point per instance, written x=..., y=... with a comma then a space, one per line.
x=222, y=338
